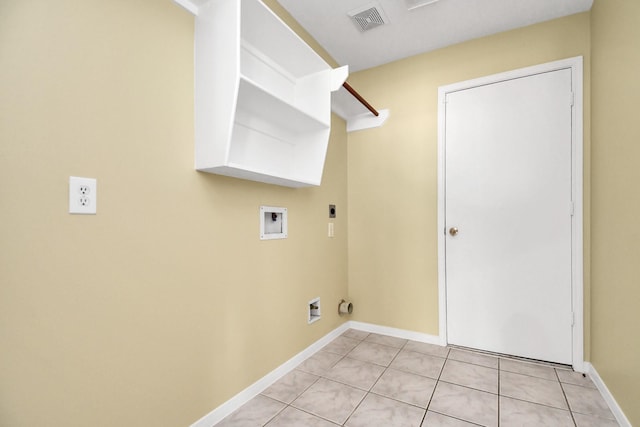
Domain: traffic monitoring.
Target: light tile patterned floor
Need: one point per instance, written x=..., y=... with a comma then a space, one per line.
x=363, y=379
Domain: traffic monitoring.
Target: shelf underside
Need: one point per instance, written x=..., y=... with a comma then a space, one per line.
x=240, y=172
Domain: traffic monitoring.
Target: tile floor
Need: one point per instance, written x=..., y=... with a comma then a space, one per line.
x=362, y=379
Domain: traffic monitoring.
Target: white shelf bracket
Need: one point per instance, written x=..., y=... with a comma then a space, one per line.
x=367, y=121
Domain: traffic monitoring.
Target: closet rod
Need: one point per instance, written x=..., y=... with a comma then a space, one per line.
x=363, y=101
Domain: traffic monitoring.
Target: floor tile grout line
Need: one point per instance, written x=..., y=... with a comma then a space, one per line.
x=357, y=339
x=374, y=384
x=592, y=387
x=400, y=370
x=299, y=394
x=596, y=416
x=428, y=354
x=276, y=414
x=456, y=418
x=387, y=367
x=435, y=387
x=307, y=388
x=525, y=360
x=320, y=376
x=469, y=387
x=474, y=353
x=313, y=415
x=528, y=375
x=355, y=408
x=386, y=345
x=536, y=403
x=566, y=399
x=348, y=385
x=473, y=364
x=317, y=415
x=397, y=400
x=498, y=423
x=412, y=372
x=367, y=393
x=397, y=368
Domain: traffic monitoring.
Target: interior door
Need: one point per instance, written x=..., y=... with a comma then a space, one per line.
x=508, y=217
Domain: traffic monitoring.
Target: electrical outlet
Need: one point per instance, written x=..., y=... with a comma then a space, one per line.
x=83, y=195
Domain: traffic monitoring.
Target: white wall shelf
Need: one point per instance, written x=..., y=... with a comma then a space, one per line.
x=262, y=95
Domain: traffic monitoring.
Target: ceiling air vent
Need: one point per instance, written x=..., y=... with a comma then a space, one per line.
x=368, y=17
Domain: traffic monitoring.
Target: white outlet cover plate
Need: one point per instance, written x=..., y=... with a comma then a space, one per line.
x=83, y=195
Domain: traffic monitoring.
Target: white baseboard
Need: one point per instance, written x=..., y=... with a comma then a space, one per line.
x=398, y=333
x=608, y=397
x=256, y=388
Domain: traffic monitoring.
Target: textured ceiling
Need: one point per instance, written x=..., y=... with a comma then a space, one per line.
x=425, y=28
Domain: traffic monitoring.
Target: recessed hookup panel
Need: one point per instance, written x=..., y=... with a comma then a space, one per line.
x=273, y=223
x=313, y=312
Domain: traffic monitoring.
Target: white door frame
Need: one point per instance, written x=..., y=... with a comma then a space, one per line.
x=577, y=282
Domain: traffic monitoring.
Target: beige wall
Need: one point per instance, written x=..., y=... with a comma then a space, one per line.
x=165, y=304
x=160, y=308
x=393, y=169
x=615, y=269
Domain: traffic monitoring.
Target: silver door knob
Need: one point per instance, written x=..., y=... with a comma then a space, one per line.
x=453, y=231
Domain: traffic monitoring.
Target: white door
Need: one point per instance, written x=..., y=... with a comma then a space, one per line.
x=508, y=195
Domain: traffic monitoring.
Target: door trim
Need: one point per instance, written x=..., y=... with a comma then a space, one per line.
x=575, y=64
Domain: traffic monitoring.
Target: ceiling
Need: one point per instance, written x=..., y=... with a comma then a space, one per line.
x=422, y=29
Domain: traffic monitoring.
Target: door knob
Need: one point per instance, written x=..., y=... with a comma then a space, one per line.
x=453, y=231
